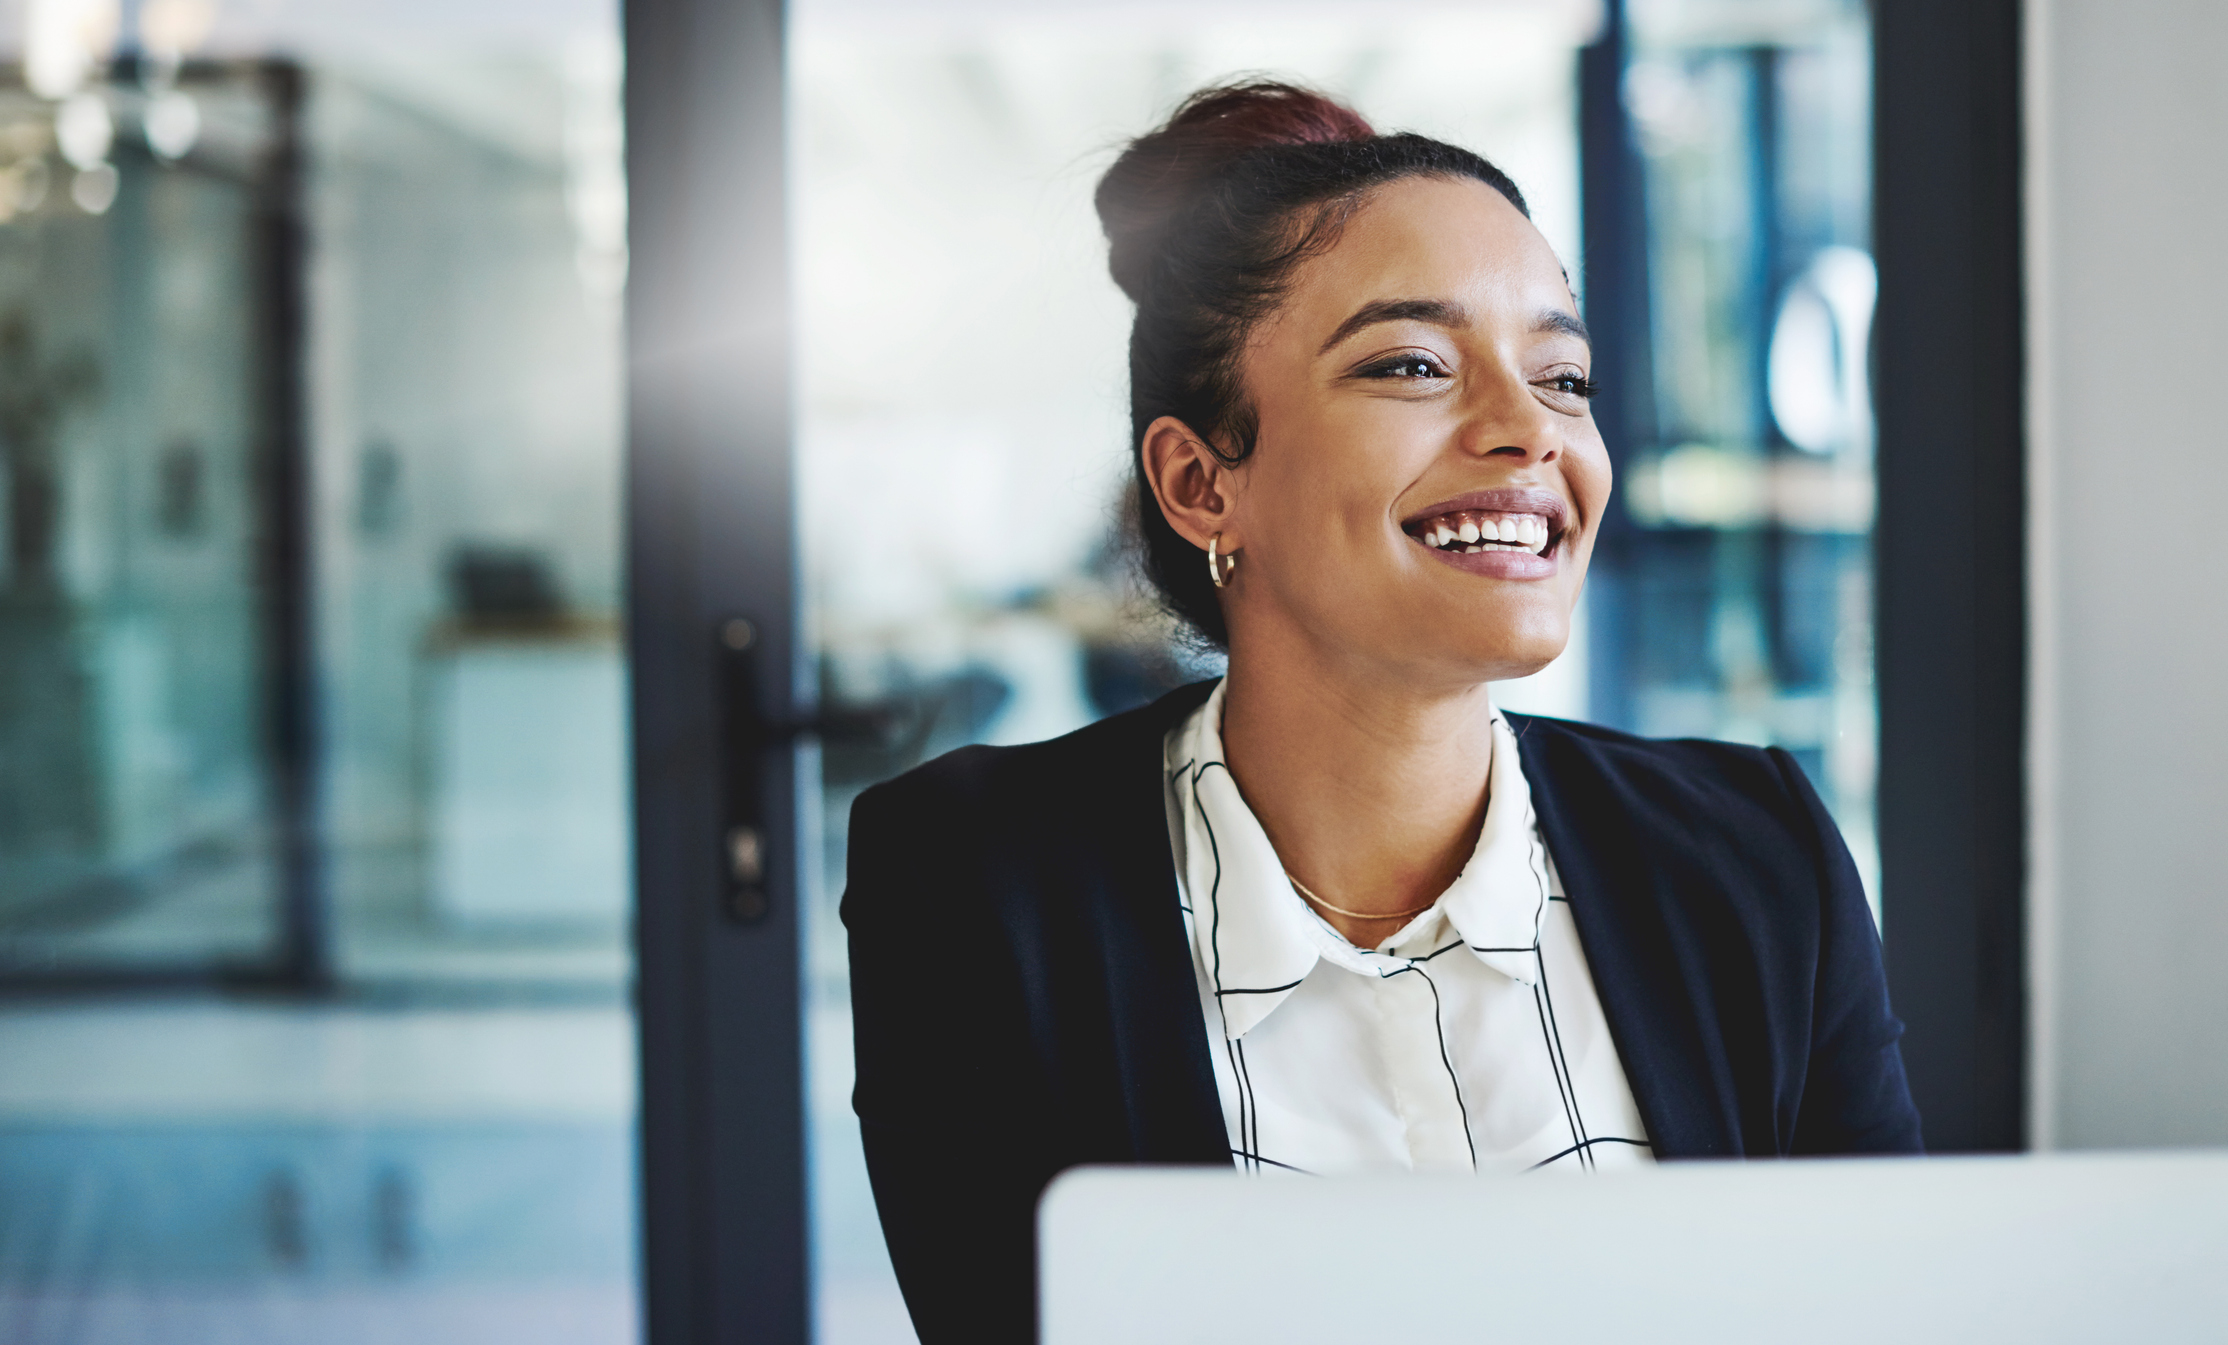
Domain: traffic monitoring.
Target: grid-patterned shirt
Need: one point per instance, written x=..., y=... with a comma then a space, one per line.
x=1471, y=1040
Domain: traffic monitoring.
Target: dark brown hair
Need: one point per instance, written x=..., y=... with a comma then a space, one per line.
x=1205, y=219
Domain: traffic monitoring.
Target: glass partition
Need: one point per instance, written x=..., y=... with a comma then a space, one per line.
x=140, y=818
x=471, y=214
x=315, y=1015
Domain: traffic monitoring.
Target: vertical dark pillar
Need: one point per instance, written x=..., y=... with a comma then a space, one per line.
x=1949, y=545
x=1752, y=566
x=289, y=578
x=1767, y=261
x=711, y=542
x=1614, y=292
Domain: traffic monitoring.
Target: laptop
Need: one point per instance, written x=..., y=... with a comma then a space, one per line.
x=1887, y=1251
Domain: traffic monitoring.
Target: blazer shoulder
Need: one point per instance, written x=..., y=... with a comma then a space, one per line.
x=1684, y=782
x=1616, y=744
x=1024, y=783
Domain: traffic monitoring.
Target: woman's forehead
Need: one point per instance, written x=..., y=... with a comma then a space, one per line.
x=1457, y=240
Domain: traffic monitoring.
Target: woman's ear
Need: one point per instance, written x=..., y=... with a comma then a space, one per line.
x=1197, y=492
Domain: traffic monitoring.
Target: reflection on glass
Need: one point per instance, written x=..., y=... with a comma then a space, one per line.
x=963, y=421
x=313, y=819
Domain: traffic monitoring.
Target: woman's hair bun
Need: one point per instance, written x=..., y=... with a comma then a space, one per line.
x=1161, y=173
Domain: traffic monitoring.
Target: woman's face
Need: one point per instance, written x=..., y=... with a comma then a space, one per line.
x=1428, y=476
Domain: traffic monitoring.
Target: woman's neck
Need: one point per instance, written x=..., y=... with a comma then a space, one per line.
x=1373, y=797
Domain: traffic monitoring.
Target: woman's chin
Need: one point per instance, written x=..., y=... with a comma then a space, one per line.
x=1475, y=662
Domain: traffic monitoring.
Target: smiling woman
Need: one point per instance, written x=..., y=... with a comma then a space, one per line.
x=1337, y=912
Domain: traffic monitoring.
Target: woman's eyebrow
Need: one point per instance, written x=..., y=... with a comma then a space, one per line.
x=1444, y=313
x=1437, y=312
x=1556, y=320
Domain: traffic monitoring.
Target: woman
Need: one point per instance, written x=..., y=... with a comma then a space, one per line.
x=1336, y=912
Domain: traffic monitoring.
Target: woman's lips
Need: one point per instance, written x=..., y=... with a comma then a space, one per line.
x=1500, y=562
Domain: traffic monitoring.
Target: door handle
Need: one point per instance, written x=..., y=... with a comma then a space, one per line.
x=749, y=736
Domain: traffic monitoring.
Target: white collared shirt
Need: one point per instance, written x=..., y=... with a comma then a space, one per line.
x=1471, y=1040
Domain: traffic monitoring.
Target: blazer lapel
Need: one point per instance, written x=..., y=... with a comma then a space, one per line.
x=1167, y=1082
x=1635, y=947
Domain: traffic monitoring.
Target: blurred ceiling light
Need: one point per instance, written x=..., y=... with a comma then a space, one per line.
x=64, y=41
x=1817, y=373
x=1707, y=486
x=173, y=123
x=1701, y=486
x=94, y=189
x=84, y=131
x=1664, y=106
x=170, y=30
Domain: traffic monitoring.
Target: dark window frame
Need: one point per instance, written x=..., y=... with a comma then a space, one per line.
x=1949, y=373
x=711, y=544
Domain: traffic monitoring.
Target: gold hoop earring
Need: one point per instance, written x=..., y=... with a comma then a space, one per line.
x=1220, y=569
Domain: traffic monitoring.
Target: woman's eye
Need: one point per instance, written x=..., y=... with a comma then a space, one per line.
x=1406, y=366
x=1575, y=385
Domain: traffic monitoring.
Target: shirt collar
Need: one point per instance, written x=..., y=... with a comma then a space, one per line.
x=1257, y=940
x=1499, y=899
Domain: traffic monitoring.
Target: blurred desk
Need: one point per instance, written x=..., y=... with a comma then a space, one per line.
x=2060, y=1248
x=531, y=819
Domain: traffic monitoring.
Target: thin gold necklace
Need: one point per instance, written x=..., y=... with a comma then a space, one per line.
x=1301, y=888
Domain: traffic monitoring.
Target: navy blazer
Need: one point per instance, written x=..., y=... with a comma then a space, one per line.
x=1024, y=1001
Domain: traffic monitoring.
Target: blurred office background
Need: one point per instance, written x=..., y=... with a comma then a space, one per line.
x=315, y=849
x=963, y=431
x=317, y=855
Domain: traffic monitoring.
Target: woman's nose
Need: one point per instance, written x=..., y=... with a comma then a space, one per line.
x=1508, y=421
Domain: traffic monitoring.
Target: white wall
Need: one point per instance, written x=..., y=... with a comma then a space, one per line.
x=2128, y=345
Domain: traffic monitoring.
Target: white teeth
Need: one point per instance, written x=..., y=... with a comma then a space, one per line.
x=1470, y=534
